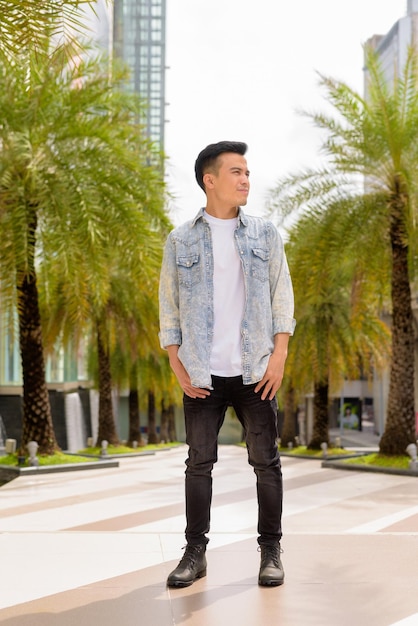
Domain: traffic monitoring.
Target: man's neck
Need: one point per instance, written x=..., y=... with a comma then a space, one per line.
x=222, y=213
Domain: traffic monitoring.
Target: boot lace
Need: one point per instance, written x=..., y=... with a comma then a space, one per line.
x=270, y=554
x=190, y=556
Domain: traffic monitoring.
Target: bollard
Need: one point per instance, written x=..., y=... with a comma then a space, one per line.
x=411, y=449
x=103, y=451
x=10, y=446
x=32, y=447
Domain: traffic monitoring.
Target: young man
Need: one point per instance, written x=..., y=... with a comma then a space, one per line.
x=226, y=314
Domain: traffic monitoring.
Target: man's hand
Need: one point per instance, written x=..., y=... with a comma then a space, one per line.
x=183, y=377
x=273, y=376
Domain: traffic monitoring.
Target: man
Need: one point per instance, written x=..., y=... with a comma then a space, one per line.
x=226, y=314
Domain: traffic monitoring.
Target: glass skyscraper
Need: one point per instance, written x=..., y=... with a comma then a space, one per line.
x=392, y=48
x=139, y=41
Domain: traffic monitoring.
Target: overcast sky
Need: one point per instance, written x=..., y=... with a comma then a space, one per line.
x=240, y=70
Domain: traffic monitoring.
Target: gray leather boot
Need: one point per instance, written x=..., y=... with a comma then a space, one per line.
x=271, y=568
x=191, y=567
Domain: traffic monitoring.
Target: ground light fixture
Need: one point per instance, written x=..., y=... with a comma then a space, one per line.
x=411, y=449
x=10, y=446
x=32, y=447
x=103, y=451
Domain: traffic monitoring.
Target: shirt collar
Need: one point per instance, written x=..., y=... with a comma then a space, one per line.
x=241, y=217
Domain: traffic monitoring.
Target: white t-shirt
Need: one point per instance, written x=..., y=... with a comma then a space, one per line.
x=229, y=299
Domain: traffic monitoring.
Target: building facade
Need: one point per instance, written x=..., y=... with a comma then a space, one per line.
x=392, y=48
x=134, y=33
x=139, y=28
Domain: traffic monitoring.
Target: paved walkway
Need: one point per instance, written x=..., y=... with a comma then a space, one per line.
x=365, y=439
x=94, y=548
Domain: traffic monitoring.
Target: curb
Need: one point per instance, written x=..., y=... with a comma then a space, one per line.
x=368, y=468
x=9, y=472
x=126, y=455
x=330, y=457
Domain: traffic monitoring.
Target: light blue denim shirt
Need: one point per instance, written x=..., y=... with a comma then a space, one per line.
x=186, y=295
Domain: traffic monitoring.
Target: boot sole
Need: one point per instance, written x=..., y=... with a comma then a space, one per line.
x=270, y=583
x=182, y=583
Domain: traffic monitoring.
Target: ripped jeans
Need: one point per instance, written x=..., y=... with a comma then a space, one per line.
x=203, y=420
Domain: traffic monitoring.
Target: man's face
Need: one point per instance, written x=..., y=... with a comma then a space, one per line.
x=230, y=184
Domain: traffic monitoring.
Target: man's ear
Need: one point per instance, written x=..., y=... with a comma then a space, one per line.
x=208, y=180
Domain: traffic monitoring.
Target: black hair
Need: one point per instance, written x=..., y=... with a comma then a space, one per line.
x=208, y=156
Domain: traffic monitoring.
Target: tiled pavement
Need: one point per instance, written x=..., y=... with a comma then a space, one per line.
x=93, y=548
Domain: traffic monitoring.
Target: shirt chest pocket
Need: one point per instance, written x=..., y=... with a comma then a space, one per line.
x=189, y=269
x=259, y=267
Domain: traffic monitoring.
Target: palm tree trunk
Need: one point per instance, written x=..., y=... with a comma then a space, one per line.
x=172, y=433
x=37, y=419
x=134, y=419
x=164, y=423
x=400, y=421
x=107, y=428
x=289, y=424
x=152, y=430
x=320, y=426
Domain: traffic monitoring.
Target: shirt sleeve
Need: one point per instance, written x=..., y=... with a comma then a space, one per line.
x=170, y=330
x=281, y=288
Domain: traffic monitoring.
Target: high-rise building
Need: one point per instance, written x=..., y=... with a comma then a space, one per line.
x=134, y=32
x=139, y=41
x=392, y=48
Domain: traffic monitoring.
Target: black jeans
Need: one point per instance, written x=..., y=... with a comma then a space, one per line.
x=204, y=418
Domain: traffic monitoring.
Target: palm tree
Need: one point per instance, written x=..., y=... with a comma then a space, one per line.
x=25, y=24
x=373, y=142
x=132, y=329
x=339, y=332
x=123, y=332
x=159, y=388
x=76, y=184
